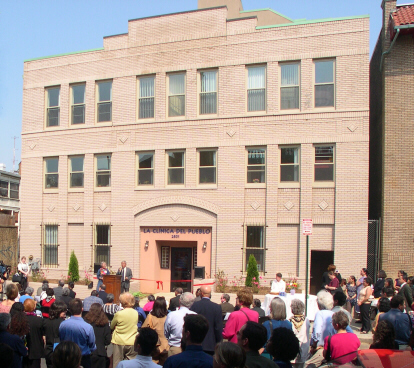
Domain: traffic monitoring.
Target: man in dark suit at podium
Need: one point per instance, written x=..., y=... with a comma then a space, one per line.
x=126, y=276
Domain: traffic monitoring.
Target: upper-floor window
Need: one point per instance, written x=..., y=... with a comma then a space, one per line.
x=104, y=101
x=103, y=170
x=324, y=163
x=289, y=86
x=289, y=164
x=9, y=189
x=53, y=106
x=51, y=172
x=146, y=97
x=208, y=92
x=324, y=83
x=78, y=104
x=207, y=170
x=256, y=165
x=176, y=167
x=256, y=88
x=76, y=171
x=176, y=94
x=145, y=168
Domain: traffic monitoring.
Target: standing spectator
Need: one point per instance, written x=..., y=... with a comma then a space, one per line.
x=342, y=343
x=380, y=283
x=6, y=354
x=11, y=293
x=126, y=276
x=102, y=293
x=75, y=329
x=100, y=274
x=19, y=324
x=141, y=314
x=384, y=305
x=251, y=338
x=57, y=314
x=238, y=318
x=65, y=298
x=149, y=304
x=173, y=327
x=40, y=288
x=28, y=294
x=364, y=303
x=401, y=321
x=339, y=300
x=87, y=302
x=301, y=329
x=384, y=336
x=405, y=292
x=145, y=344
x=389, y=283
x=198, y=295
x=59, y=289
x=226, y=307
x=333, y=283
x=325, y=276
x=124, y=327
x=67, y=355
x=43, y=294
x=71, y=286
x=278, y=285
x=175, y=302
x=111, y=308
x=283, y=346
x=195, y=330
x=399, y=280
x=46, y=303
x=23, y=269
x=212, y=312
x=156, y=321
x=257, y=304
x=34, y=338
x=229, y=355
x=351, y=294
x=99, y=321
x=15, y=342
x=364, y=275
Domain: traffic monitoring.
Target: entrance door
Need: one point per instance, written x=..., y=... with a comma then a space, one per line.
x=181, y=275
x=320, y=260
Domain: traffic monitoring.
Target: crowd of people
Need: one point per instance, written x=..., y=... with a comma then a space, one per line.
x=193, y=331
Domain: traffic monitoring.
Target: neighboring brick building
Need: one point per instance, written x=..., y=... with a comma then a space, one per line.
x=199, y=138
x=392, y=132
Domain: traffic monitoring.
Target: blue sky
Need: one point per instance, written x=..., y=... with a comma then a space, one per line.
x=30, y=29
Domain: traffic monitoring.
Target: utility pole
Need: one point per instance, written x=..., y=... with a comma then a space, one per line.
x=14, y=152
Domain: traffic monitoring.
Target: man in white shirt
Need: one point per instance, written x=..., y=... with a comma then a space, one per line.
x=278, y=286
x=173, y=327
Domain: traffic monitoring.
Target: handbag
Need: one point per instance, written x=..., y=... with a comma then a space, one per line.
x=17, y=277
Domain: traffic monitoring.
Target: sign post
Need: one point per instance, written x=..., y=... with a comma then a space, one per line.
x=307, y=230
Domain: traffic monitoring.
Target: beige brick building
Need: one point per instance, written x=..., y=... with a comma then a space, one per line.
x=199, y=138
x=391, y=126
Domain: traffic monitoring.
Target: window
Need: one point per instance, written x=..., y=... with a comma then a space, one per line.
x=78, y=104
x=104, y=101
x=165, y=257
x=176, y=95
x=14, y=190
x=256, y=88
x=51, y=172
x=256, y=165
x=255, y=246
x=53, y=108
x=103, y=170
x=194, y=257
x=289, y=86
x=176, y=167
x=76, y=171
x=102, y=244
x=208, y=92
x=146, y=98
x=145, y=168
x=324, y=163
x=50, y=247
x=4, y=188
x=289, y=164
x=207, y=171
x=324, y=83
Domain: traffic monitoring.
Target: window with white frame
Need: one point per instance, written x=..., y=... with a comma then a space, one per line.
x=165, y=257
x=256, y=88
x=102, y=244
x=146, y=97
x=103, y=170
x=51, y=172
x=255, y=246
x=145, y=168
x=176, y=167
x=207, y=170
x=76, y=171
x=78, y=104
x=50, y=246
x=9, y=189
x=4, y=188
x=324, y=83
x=208, y=92
x=289, y=86
x=324, y=163
x=104, y=90
x=289, y=164
x=176, y=94
x=53, y=107
x=256, y=165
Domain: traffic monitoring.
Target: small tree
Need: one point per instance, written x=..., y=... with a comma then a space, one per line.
x=73, y=273
x=252, y=272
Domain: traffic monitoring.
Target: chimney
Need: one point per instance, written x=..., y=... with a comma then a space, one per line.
x=387, y=7
x=234, y=7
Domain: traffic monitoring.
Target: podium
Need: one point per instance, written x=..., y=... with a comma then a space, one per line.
x=113, y=285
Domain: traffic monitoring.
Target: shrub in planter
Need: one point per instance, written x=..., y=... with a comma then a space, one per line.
x=73, y=272
x=252, y=277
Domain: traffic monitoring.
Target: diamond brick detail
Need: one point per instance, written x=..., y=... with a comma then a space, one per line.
x=255, y=205
x=289, y=205
x=76, y=207
x=175, y=217
x=352, y=127
x=323, y=205
x=32, y=146
x=231, y=132
x=51, y=208
x=102, y=207
x=123, y=139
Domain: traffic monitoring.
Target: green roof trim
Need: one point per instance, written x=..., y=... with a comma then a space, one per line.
x=273, y=11
x=68, y=53
x=302, y=22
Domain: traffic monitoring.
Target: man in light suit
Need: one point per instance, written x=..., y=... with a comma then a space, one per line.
x=126, y=276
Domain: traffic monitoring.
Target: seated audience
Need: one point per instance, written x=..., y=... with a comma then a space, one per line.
x=384, y=305
x=15, y=342
x=47, y=302
x=11, y=294
x=40, y=288
x=67, y=355
x=43, y=294
x=229, y=355
x=88, y=301
x=301, y=329
x=34, y=338
x=149, y=304
x=110, y=307
x=257, y=307
x=283, y=345
x=28, y=294
x=384, y=336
